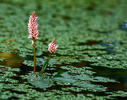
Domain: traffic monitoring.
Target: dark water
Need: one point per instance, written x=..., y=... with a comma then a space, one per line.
x=117, y=74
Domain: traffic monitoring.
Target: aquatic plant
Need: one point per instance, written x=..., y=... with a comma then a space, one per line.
x=33, y=33
x=52, y=48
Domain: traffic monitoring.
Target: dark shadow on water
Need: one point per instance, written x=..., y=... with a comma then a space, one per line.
x=89, y=42
x=80, y=64
x=13, y=98
x=119, y=75
x=99, y=31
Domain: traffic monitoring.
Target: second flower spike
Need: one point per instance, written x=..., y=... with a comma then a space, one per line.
x=52, y=46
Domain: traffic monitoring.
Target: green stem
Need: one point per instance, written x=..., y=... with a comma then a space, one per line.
x=34, y=56
x=45, y=65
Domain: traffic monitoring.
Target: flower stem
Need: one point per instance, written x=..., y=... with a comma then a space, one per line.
x=34, y=55
x=45, y=65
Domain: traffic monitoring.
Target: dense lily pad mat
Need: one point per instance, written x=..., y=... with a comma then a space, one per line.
x=90, y=63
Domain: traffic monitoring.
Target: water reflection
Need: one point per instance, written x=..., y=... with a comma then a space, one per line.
x=119, y=75
x=10, y=59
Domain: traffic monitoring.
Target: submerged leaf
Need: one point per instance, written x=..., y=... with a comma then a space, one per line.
x=39, y=81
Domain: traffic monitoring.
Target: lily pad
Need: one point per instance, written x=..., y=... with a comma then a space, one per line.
x=39, y=81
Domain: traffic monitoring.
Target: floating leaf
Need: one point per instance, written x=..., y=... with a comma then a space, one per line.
x=39, y=81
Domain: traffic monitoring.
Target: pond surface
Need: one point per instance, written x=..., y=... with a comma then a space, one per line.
x=90, y=63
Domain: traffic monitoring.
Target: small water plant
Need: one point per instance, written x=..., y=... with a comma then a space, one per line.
x=52, y=48
x=38, y=79
x=33, y=34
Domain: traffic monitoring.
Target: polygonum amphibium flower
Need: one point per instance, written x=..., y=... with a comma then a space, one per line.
x=33, y=27
x=33, y=33
x=52, y=46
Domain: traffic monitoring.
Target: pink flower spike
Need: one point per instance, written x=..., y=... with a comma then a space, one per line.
x=52, y=46
x=33, y=27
